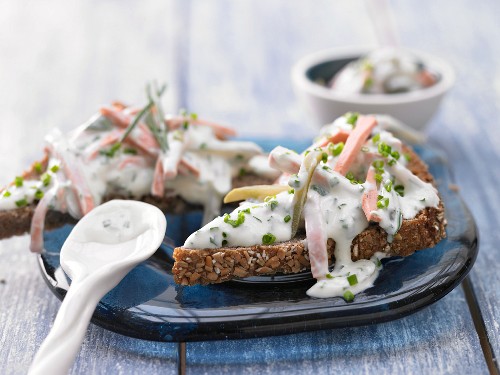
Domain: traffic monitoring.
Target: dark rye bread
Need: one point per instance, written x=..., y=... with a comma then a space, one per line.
x=195, y=266
x=17, y=222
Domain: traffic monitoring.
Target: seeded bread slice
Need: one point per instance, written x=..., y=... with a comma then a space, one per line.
x=206, y=266
x=18, y=221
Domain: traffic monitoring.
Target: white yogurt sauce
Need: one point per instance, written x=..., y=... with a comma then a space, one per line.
x=333, y=209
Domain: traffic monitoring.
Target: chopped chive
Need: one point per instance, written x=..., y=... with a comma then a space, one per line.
x=378, y=177
x=212, y=240
x=185, y=125
x=392, y=162
x=18, y=181
x=112, y=150
x=348, y=296
x=407, y=157
x=194, y=116
x=336, y=149
x=130, y=151
x=376, y=138
x=291, y=191
x=224, y=234
x=38, y=167
x=235, y=223
x=378, y=165
x=203, y=146
x=307, y=152
x=46, y=179
x=395, y=155
x=38, y=194
x=350, y=176
x=268, y=239
x=214, y=228
x=382, y=202
x=329, y=276
x=324, y=157
x=378, y=263
x=22, y=202
x=400, y=189
x=246, y=210
x=7, y=194
x=287, y=218
x=353, y=280
x=54, y=168
x=242, y=172
x=351, y=118
x=388, y=185
x=384, y=149
x=224, y=242
x=273, y=204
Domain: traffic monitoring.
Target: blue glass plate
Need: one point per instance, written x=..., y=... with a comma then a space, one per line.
x=147, y=304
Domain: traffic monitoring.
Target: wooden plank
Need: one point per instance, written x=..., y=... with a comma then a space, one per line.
x=436, y=340
x=467, y=127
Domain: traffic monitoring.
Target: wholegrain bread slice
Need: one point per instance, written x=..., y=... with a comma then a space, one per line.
x=206, y=266
x=18, y=221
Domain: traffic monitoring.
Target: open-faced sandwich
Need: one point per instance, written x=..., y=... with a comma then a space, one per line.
x=358, y=194
x=174, y=162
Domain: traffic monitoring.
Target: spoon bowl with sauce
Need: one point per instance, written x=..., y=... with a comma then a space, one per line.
x=103, y=247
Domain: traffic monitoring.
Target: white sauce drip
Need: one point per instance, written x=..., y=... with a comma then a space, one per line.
x=333, y=209
x=131, y=175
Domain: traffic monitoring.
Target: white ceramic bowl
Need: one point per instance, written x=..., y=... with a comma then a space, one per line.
x=414, y=108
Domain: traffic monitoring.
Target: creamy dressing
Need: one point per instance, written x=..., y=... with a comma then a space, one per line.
x=333, y=208
x=196, y=166
x=248, y=225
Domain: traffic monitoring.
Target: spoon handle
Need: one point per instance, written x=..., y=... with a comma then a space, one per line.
x=60, y=347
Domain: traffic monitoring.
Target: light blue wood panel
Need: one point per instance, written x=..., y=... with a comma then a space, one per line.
x=437, y=340
x=28, y=309
x=466, y=34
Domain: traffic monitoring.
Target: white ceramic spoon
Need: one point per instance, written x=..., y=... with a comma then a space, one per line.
x=101, y=249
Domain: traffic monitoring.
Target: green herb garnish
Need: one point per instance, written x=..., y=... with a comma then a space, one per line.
x=18, y=181
x=268, y=239
x=388, y=185
x=224, y=242
x=324, y=157
x=351, y=118
x=38, y=194
x=400, y=189
x=54, y=168
x=336, y=149
x=130, y=151
x=46, y=179
x=348, y=296
x=287, y=218
x=376, y=138
x=38, y=167
x=235, y=223
x=382, y=202
x=22, y=202
x=7, y=194
x=329, y=276
x=353, y=280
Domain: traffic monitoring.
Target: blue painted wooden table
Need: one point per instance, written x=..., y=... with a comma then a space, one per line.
x=230, y=61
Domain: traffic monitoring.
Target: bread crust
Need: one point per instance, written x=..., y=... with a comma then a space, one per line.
x=207, y=266
x=18, y=221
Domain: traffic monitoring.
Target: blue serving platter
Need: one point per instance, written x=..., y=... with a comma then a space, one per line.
x=147, y=304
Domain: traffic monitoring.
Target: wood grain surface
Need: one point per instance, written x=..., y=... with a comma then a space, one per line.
x=230, y=61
